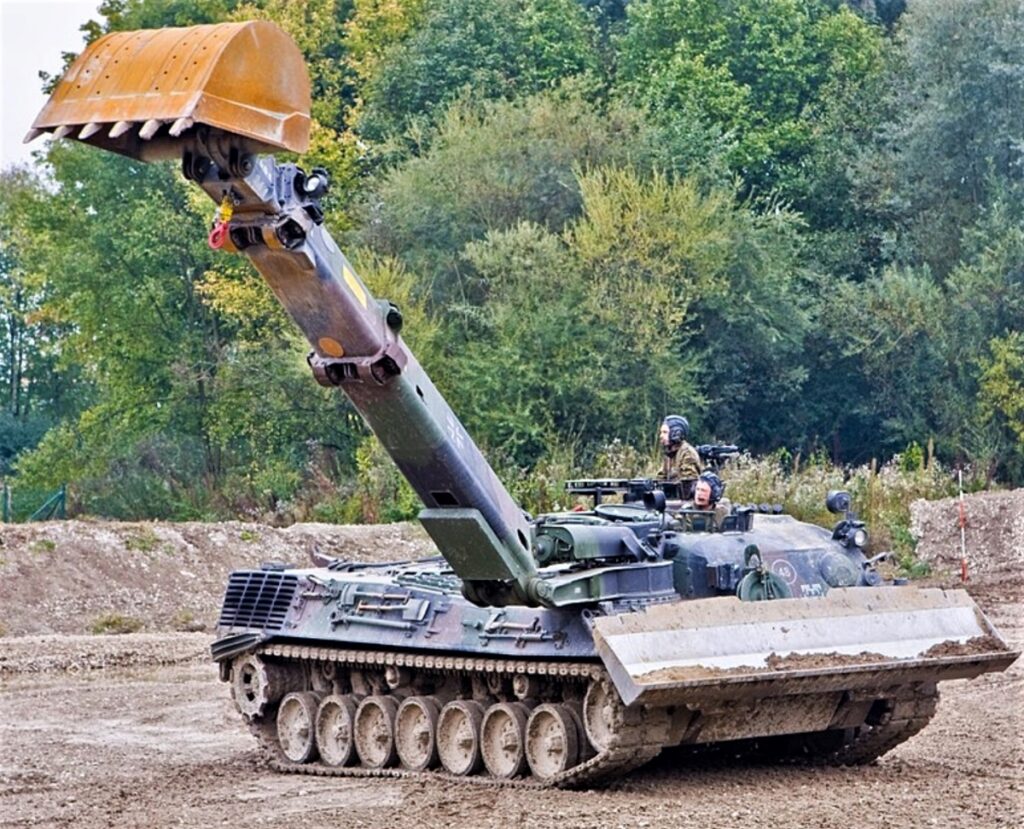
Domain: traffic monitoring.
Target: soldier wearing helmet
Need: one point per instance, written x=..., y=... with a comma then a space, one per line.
x=681, y=461
x=707, y=497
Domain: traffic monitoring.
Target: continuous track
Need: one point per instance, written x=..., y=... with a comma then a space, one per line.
x=630, y=741
x=627, y=739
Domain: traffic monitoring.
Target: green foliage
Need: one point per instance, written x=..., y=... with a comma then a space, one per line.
x=491, y=166
x=491, y=48
x=382, y=495
x=33, y=393
x=1002, y=383
x=185, y=620
x=144, y=541
x=113, y=623
x=956, y=133
x=760, y=70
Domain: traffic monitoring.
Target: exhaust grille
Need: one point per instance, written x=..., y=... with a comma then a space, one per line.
x=257, y=599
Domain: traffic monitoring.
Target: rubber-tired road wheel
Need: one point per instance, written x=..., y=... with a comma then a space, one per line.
x=375, y=731
x=296, y=719
x=552, y=743
x=458, y=736
x=416, y=732
x=335, y=730
x=503, y=739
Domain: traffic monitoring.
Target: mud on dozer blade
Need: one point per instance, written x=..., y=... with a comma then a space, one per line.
x=854, y=638
x=571, y=647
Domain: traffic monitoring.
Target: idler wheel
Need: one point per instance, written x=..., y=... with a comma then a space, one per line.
x=296, y=718
x=375, y=731
x=552, y=744
x=601, y=710
x=335, y=729
x=255, y=684
x=503, y=739
x=416, y=732
x=458, y=736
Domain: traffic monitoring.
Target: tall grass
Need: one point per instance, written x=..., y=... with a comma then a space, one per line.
x=882, y=493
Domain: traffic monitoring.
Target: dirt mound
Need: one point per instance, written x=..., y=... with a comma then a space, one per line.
x=77, y=576
x=994, y=534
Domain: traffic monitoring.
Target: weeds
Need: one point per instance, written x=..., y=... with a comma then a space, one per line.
x=115, y=623
x=185, y=620
x=43, y=545
x=144, y=542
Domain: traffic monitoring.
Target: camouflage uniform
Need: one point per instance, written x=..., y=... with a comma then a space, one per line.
x=684, y=465
x=721, y=510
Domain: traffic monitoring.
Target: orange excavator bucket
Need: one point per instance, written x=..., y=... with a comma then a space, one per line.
x=140, y=93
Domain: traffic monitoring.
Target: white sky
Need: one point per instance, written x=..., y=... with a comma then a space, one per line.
x=33, y=33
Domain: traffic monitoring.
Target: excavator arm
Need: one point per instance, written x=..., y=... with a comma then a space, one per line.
x=202, y=94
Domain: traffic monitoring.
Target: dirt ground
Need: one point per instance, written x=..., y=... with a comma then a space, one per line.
x=136, y=730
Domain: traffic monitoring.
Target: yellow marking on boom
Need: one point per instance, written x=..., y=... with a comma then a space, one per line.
x=353, y=284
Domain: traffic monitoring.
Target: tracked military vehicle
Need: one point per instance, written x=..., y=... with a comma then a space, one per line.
x=561, y=650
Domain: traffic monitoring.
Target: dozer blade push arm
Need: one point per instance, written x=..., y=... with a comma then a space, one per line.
x=211, y=95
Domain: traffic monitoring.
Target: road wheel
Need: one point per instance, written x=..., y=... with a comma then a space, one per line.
x=552, y=744
x=375, y=731
x=335, y=727
x=458, y=736
x=503, y=739
x=296, y=718
x=601, y=712
x=416, y=732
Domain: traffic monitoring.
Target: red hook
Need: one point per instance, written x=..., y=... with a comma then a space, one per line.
x=218, y=234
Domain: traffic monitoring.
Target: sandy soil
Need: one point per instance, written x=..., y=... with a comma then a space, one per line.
x=136, y=730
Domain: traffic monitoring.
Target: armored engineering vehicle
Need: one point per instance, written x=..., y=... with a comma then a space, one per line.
x=560, y=650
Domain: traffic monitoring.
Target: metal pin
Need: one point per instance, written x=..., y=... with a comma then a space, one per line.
x=63, y=130
x=120, y=128
x=89, y=130
x=179, y=126
x=149, y=129
x=32, y=135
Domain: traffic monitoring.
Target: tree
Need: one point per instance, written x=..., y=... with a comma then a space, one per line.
x=493, y=165
x=957, y=135
x=33, y=393
x=760, y=70
x=491, y=48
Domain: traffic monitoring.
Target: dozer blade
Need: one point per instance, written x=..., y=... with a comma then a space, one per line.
x=852, y=639
x=143, y=93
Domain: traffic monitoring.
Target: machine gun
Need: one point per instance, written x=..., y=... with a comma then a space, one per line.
x=715, y=455
x=712, y=455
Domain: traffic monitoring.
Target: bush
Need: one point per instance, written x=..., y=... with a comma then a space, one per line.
x=881, y=495
x=115, y=623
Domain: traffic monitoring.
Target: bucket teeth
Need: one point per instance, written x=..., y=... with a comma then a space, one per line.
x=120, y=128
x=149, y=128
x=179, y=126
x=161, y=84
x=63, y=131
x=32, y=135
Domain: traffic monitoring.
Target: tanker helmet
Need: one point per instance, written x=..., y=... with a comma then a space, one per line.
x=716, y=484
x=678, y=429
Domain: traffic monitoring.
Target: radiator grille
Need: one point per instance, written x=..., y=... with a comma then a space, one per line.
x=257, y=599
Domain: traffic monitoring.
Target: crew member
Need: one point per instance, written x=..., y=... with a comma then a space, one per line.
x=681, y=461
x=708, y=494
